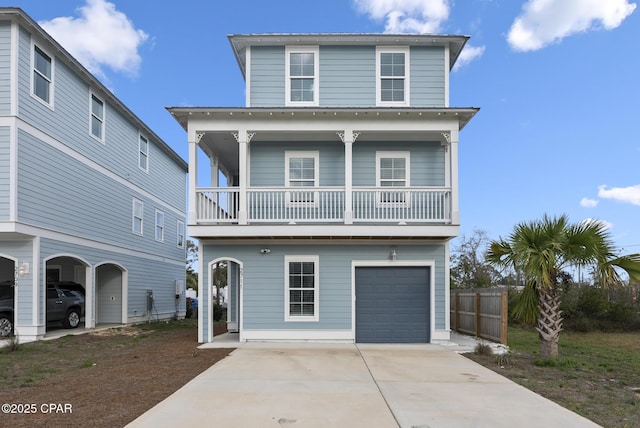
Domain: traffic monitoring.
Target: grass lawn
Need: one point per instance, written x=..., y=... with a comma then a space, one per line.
x=597, y=375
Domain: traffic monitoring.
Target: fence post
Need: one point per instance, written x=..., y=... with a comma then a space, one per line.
x=457, y=312
x=504, y=317
x=478, y=308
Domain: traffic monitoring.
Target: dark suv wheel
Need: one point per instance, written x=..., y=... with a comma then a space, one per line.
x=72, y=319
x=6, y=325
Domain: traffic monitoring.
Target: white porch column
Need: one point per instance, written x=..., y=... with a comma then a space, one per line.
x=193, y=176
x=455, y=190
x=348, y=137
x=215, y=172
x=243, y=138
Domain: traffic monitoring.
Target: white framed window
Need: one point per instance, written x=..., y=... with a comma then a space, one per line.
x=301, y=288
x=42, y=77
x=301, y=171
x=137, y=217
x=143, y=153
x=392, y=76
x=301, y=87
x=159, y=226
x=392, y=170
x=180, y=233
x=96, y=119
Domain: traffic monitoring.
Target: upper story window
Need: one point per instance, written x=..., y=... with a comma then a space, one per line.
x=159, y=226
x=42, y=85
x=392, y=82
x=301, y=170
x=302, y=75
x=137, y=216
x=301, y=288
x=143, y=153
x=97, y=117
x=392, y=170
x=180, y=233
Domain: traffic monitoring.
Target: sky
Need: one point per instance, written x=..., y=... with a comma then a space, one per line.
x=557, y=84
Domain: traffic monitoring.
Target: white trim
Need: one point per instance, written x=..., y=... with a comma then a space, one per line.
x=200, y=300
x=162, y=226
x=35, y=277
x=135, y=202
x=180, y=225
x=406, y=155
x=313, y=154
x=49, y=104
x=140, y=152
x=13, y=172
x=102, y=119
x=431, y=264
x=447, y=285
x=316, y=288
x=447, y=70
x=440, y=335
x=407, y=81
x=14, y=69
x=315, y=50
x=247, y=78
x=209, y=302
x=298, y=335
x=125, y=287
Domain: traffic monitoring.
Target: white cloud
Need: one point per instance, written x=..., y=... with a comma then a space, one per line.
x=468, y=54
x=407, y=16
x=100, y=37
x=588, y=203
x=630, y=195
x=605, y=224
x=543, y=22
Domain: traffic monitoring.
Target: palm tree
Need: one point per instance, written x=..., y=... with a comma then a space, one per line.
x=541, y=250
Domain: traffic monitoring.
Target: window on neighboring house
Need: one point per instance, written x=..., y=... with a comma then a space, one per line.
x=159, y=226
x=393, y=76
x=392, y=170
x=302, y=76
x=138, y=211
x=180, y=234
x=301, y=170
x=143, y=153
x=97, y=117
x=42, y=75
x=301, y=288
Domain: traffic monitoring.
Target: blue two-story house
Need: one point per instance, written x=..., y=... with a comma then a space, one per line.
x=88, y=194
x=332, y=196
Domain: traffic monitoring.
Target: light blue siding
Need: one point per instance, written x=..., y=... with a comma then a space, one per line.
x=4, y=173
x=427, y=162
x=268, y=166
x=60, y=193
x=347, y=76
x=263, y=281
x=267, y=76
x=5, y=67
x=427, y=77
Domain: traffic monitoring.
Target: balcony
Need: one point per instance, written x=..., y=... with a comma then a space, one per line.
x=296, y=205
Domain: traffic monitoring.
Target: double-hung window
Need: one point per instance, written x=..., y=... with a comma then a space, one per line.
x=97, y=117
x=143, y=153
x=180, y=233
x=301, y=288
x=159, y=226
x=392, y=83
x=137, y=217
x=301, y=171
x=302, y=75
x=42, y=85
x=392, y=170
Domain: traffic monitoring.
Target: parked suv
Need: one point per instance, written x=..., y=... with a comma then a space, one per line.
x=64, y=305
x=6, y=308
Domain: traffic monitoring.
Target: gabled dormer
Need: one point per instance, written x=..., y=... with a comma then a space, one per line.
x=346, y=70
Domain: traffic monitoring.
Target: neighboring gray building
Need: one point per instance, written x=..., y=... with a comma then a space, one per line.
x=333, y=194
x=88, y=193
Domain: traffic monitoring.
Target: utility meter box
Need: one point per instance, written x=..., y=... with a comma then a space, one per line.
x=149, y=301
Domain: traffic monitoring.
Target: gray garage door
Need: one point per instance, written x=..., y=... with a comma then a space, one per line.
x=392, y=304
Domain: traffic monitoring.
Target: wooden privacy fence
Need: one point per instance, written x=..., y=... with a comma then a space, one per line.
x=481, y=312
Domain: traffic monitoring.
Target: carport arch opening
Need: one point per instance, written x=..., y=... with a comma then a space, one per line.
x=8, y=280
x=111, y=290
x=61, y=268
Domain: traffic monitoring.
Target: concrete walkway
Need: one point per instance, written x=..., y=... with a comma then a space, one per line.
x=322, y=385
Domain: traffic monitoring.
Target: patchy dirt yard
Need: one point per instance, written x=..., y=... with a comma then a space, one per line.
x=100, y=379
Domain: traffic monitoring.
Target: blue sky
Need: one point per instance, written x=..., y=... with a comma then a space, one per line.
x=558, y=84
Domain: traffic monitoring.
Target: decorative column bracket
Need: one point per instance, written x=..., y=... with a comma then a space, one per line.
x=447, y=140
x=199, y=136
x=343, y=134
x=250, y=135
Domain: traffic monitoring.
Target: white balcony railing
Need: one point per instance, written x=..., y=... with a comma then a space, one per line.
x=325, y=205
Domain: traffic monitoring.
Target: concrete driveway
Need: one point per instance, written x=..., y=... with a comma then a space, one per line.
x=315, y=385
